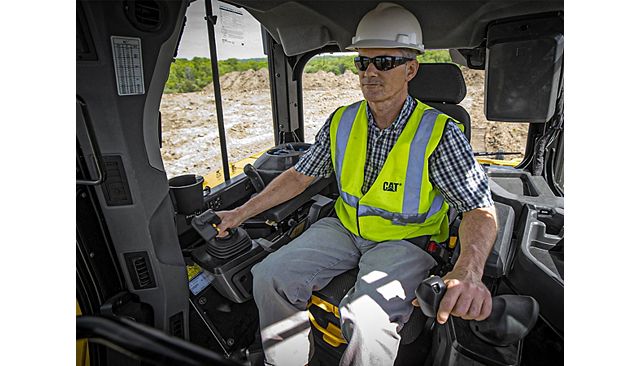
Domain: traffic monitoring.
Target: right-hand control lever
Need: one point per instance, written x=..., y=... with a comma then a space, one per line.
x=254, y=177
x=511, y=318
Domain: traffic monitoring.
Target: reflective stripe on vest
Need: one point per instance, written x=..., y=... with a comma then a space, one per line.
x=401, y=218
x=344, y=130
x=413, y=180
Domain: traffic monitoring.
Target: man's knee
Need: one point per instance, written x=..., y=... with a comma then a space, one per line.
x=264, y=278
x=271, y=278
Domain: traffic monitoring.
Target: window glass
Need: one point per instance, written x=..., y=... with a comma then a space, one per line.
x=331, y=81
x=328, y=82
x=190, y=139
x=491, y=136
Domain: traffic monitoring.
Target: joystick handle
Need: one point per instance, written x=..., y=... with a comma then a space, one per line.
x=203, y=224
x=511, y=318
x=429, y=294
x=208, y=217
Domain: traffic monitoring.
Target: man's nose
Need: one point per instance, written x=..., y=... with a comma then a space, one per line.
x=371, y=70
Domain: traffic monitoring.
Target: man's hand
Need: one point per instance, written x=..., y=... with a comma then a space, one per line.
x=230, y=219
x=466, y=297
x=284, y=187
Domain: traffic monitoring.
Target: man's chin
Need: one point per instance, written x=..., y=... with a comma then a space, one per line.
x=372, y=97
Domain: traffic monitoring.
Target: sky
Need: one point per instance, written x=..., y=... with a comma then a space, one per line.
x=237, y=33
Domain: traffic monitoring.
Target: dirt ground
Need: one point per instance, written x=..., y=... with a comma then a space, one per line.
x=190, y=141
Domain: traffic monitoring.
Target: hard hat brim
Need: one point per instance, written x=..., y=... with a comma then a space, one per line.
x=383, y=43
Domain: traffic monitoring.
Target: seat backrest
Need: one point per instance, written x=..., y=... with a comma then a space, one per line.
x=442, y=86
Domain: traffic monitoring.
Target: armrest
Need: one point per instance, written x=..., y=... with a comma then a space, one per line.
x=281, y=211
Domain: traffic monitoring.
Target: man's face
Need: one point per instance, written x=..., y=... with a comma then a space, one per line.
x=378, y=86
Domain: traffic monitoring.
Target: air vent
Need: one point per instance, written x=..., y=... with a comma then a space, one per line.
x=140, y=265
x=140, y=270
x=176, y=325
x=145, y=15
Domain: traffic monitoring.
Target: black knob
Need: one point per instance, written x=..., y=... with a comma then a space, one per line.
x=429, y=294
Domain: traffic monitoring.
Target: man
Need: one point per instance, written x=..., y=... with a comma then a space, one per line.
x=395, y=159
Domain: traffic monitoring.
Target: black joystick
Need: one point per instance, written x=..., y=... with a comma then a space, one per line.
x=225, y=247
x=511, y=318
x=429, y=294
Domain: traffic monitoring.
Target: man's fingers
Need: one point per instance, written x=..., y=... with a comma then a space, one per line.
x=222, y=230
x=462, y=305
x=446, y=305
x=487, y=304
x=474, y=309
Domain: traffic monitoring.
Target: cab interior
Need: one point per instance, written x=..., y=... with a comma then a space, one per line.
x=154, y=287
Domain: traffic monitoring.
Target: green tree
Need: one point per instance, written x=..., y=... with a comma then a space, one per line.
x=193, y=75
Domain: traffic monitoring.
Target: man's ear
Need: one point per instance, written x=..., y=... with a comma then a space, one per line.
x=412, y=69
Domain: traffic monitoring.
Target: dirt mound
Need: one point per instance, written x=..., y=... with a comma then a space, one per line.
x=241, y=81
x=323, y=80
x=473, y=77
x=250, y=80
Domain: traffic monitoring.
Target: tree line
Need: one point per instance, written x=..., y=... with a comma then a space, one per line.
x=192, y=75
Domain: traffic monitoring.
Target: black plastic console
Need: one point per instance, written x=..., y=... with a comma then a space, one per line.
x=498, y=261
x=518, y=188
x=538, y=267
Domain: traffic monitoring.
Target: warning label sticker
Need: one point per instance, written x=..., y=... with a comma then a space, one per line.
x=127, y=61
x=200, y=282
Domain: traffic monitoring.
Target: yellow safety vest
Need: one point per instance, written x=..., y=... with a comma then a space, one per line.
x=401, y=203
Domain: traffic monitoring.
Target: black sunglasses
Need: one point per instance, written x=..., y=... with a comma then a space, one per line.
x=382, y=63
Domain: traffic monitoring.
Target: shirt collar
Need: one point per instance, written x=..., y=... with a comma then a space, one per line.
x=402, y=118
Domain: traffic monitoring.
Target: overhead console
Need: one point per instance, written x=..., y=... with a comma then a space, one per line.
x=523, y=69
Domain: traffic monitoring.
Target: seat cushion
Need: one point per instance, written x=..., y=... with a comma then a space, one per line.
x=438, y=82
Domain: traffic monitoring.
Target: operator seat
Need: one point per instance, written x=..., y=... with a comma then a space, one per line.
x=442, y=87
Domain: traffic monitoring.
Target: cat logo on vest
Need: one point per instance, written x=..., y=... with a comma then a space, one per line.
x=390, y=186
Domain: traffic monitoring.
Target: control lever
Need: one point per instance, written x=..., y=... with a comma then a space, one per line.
x=429, y=294
x=237, y=242
x=254, y=177
x=206, y=225
x=511, y=318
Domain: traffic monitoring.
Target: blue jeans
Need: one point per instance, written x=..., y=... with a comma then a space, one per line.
x=371, y=313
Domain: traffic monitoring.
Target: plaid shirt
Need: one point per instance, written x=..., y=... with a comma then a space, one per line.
x=452, y=167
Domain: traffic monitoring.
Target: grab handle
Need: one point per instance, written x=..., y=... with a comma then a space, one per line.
x=83, y=116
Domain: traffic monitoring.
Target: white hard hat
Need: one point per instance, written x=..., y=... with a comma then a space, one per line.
x=389, y=25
